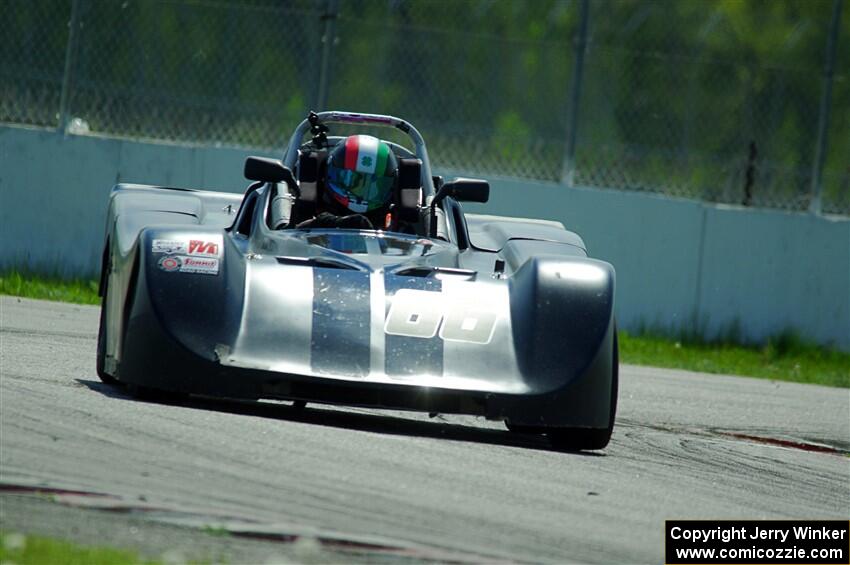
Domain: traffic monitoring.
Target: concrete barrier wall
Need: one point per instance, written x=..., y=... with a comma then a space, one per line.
x=713, y=268
x=680, y=263
x=774, y=270
x=54, y=188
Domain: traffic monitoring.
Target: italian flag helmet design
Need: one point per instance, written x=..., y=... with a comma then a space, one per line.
x=361, y=173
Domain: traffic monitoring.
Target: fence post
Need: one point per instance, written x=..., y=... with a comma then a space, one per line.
x=568, y=173
x=70, y=56
x=328, y=37
x=816, y=202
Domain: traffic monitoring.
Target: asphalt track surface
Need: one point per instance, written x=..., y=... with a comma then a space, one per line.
x=406, y=486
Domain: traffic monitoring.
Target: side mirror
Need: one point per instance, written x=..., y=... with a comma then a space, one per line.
x=467, y=190
x=267, y=170
x=463, y=190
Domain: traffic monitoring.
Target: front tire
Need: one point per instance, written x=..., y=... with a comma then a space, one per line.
x=100, y=363
x=138, y=391
x=521, y=429
x=156, y=395
x=580, y=439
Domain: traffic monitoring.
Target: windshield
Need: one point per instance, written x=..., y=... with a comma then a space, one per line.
x=374, y=243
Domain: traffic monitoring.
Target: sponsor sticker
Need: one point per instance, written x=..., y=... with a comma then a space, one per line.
x=170, y=263
x=204, y=265
x=188, y=264
x=207, y=247
x=204, y=248
x=169, y=246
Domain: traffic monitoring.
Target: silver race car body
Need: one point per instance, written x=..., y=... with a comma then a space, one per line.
x=222, y=294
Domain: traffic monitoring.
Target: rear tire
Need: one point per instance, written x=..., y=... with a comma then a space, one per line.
x=579, y=439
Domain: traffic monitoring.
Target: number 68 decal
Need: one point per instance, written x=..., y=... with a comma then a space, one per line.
x=419, y=313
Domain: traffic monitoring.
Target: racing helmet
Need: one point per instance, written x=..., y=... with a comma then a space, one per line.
x=361, y=174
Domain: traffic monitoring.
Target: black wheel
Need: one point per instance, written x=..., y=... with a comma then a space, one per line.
x=148, y=394
x=137, y=391
x=520, y=429
x=299, y=404
x=578, y=439
x=101, y=344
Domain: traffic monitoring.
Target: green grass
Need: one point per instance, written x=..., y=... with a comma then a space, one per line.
x=36, y=550
x=785, y=357
x=78, y=291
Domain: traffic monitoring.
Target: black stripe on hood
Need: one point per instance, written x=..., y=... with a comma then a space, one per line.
x=340, y=338
x=412, y=355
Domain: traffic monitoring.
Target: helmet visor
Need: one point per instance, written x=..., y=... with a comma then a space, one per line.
x=370, y=189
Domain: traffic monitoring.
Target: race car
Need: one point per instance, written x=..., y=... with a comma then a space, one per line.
x=435, y=310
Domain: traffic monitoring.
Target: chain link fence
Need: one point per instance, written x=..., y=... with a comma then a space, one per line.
x=714, y=101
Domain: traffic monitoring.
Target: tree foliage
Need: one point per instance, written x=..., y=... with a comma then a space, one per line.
x=673, y=93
